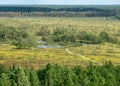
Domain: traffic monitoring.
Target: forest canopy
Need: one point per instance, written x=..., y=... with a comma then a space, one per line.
x=55, y=75
x=60, y=11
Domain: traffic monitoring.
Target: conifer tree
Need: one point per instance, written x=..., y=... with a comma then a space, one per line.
x=4, y=80
x=34, y=78
x=22, y=78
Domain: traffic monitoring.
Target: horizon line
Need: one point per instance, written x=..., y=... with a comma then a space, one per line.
x=59, y=4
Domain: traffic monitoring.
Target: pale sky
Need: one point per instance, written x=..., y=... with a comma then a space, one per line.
x=61, y=2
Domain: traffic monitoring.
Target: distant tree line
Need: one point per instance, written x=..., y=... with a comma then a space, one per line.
x=54, y=75
x=56, y=11
x=57, y=14
x=50, y=9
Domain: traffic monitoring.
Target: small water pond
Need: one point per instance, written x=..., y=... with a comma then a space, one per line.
x=50, y=46
x=44, y=44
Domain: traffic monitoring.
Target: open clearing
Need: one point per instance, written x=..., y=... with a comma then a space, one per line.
x=35, y=57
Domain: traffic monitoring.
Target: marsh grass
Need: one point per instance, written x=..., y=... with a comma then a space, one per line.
x=36, y=58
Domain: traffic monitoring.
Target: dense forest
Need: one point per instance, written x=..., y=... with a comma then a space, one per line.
x=60, y=11
x=54, y=75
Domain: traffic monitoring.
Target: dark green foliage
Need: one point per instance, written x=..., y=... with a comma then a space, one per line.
x=55, y=8
x=10, y=33
x=117, y=16
x=64, y=35
x=34, y=78
x=117, y=69
x=25, y=43
x=4, y=80
x=89, y=38
x=75, y=37
x=54, y=75
x=105, y=37
x=44, y=31
x=19, y=77
x=20, y=38
x=2, y=69
x=60, y=11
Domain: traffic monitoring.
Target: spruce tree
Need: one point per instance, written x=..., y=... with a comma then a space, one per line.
x=4, y=80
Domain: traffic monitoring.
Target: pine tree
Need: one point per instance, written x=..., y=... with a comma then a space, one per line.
x=4, y=80
x=34, y=78
x=23, y=79
x=67, y=77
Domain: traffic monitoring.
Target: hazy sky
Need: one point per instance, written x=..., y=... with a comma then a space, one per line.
x=63, y=2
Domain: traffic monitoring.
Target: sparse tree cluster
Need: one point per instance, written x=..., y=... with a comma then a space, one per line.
x=76, y=37
x=20, y=38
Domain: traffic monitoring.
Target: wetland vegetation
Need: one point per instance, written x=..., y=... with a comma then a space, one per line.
x=65, y=46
